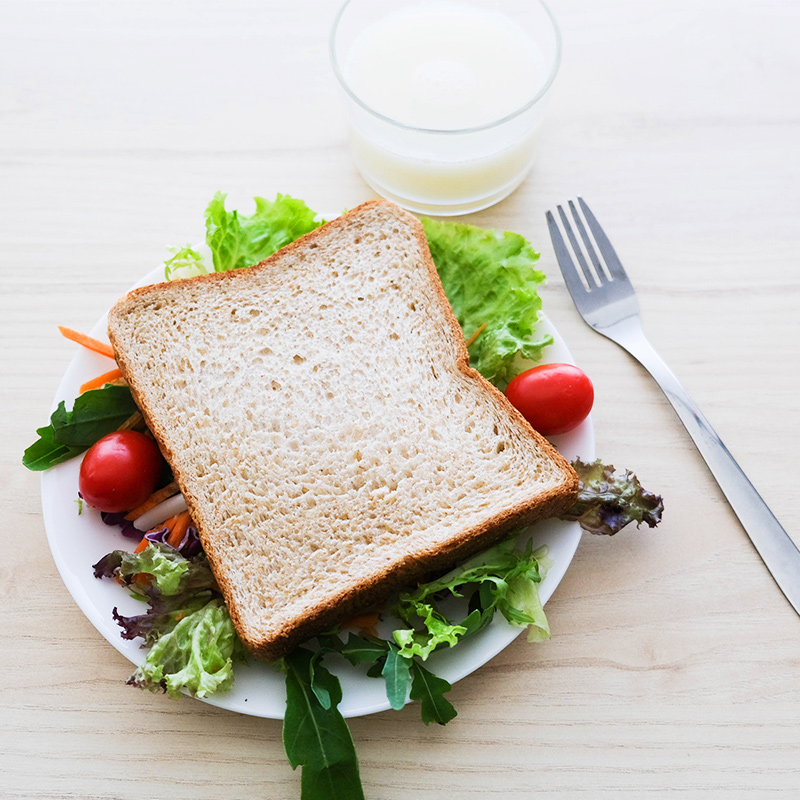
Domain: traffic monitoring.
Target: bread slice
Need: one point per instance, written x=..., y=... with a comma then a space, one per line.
x=322, y=420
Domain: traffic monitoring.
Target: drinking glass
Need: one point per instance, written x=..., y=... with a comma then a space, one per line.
x=444, y=100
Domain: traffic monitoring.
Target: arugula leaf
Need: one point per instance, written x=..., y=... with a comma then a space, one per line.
x=429, y=690
x=491, y=281
x=507, y=581
x=315, y=737
x=361, y=650
x=321, y=687
x=197, y=655
x=94, y=414
x=397, y=674
x=240, y=241
x=608, y=501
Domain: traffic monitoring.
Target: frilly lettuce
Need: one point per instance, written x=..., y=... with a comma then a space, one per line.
x=197, y=655
x=236, y=240
x=502, y=578
x=491, y=281
x=608, y=500
x=186, y=262
x=170, y=572
x=193, y=644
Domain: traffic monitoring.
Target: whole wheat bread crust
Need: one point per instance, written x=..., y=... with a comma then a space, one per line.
x=379, y=586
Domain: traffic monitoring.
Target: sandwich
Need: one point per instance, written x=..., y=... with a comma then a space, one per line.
x=323, y=423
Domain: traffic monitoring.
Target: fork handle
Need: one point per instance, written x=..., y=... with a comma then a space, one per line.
x=773, y=544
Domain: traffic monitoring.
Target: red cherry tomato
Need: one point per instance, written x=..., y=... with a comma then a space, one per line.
x=554, y=398
x=120, y=471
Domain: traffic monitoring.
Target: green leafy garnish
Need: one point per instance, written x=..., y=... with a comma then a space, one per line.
x=94, y=414
x=396, y=673
x=170, y=572
x=501, y=578
x=196, y=656
x=429, y=690
x=186, y=262
x=240, y=241
x=315, y=735
x=360, y=650
x=491, y=281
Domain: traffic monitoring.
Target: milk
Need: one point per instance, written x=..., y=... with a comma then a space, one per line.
x=445, y=104
x=444, y=66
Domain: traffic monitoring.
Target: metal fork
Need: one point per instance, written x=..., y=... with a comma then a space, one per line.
x=606, y=300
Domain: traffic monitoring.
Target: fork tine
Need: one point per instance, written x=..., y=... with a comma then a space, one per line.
x=568, y=269
x=600, y=274
x=615, y=268
x=584, y=272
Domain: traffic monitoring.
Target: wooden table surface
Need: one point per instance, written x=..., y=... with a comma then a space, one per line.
x=674, y=667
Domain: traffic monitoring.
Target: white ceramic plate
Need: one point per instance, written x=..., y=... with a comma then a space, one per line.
x=79, y=541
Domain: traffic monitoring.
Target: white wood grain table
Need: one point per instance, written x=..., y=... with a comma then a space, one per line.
x=674, y=668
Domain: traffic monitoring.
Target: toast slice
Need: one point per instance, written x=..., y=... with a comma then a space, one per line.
x=321, y=418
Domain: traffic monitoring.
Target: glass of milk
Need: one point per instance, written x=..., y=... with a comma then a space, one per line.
x=444, y=98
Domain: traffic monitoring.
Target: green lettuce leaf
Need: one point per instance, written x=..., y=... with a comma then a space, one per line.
x=196, y=656
x=162, y=615
x=437, y=630
x=523, y=596
x=241, y=241
x=185, y=262
x=491, y=281
x=608, y=500
x=170, y=572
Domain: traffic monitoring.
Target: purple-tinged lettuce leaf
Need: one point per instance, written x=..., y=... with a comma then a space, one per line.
x=196, y=656
x=161, y=617
x=608, y=500
x=171, y=573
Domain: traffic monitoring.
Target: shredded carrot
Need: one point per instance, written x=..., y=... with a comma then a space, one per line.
x=364, y=622
x=179, y=528
x=176, y=525
x=133, y=421
x=478, y=332
x=101, y=380
x=87, y=341
x=157, y=497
